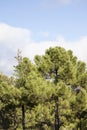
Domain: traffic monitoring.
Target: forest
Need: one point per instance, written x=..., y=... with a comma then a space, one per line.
x=49, y=93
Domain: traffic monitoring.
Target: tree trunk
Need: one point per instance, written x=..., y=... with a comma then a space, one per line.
x=56, y=103
x=80, y=126
x=56, y=114
x=23, y=117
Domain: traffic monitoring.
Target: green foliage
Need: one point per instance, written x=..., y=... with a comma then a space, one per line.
x=56, y=64
x=48, y=93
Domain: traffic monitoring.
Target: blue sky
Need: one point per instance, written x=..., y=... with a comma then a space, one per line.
x=38, y=24
x=69, y=20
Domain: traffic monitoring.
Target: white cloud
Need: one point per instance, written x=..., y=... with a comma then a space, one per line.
x=79, y=47
x=12, y=38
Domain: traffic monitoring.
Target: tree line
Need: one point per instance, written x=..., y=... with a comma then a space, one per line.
x=48, y=94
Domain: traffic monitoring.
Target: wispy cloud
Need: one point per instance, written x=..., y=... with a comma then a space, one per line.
x=45, y=34
x=56, y=3
x=12, y=38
